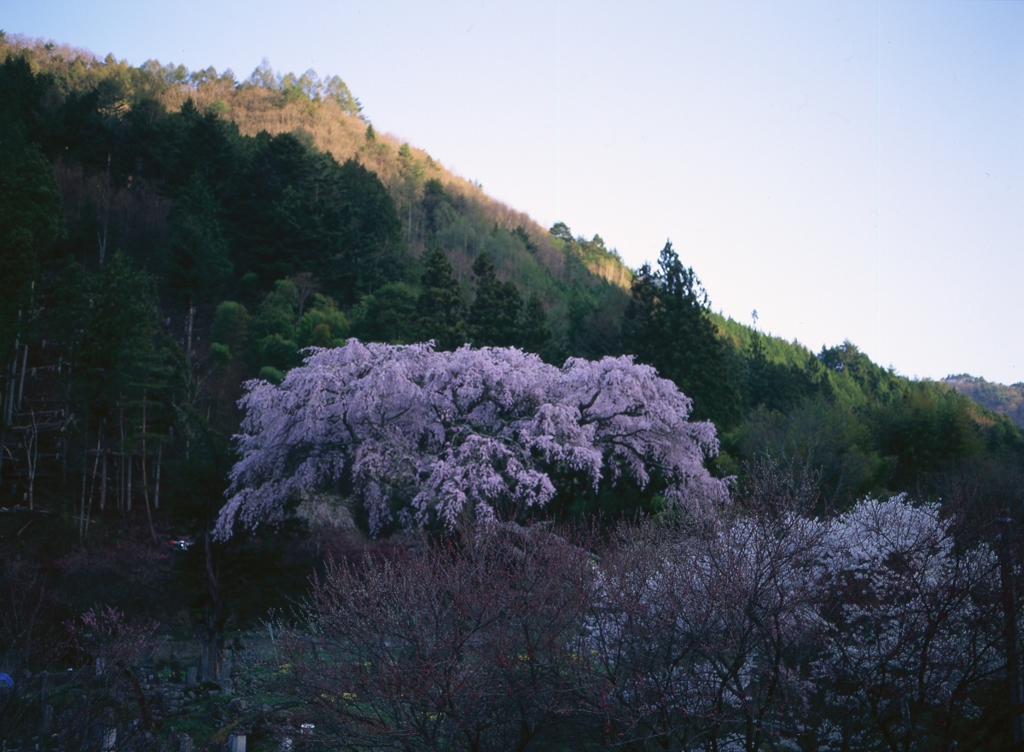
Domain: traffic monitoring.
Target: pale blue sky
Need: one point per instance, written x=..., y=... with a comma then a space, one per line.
x=851, y=170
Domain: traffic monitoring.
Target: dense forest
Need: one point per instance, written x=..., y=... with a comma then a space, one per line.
x=1008, y=400
x=167, y=236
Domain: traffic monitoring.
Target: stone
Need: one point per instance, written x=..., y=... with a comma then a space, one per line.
x=238, y=705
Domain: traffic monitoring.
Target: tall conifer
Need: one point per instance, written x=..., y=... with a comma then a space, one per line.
x=494, y=315
x=440, y=308
x=667, y=325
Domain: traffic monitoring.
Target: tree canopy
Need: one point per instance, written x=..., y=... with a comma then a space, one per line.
x=422, y=437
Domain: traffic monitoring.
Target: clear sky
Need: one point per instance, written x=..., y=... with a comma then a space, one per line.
x=850, y=170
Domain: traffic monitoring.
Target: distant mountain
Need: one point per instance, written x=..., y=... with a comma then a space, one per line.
x=1008, y=400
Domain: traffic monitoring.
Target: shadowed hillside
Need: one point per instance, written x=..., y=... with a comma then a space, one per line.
x=1008, y=400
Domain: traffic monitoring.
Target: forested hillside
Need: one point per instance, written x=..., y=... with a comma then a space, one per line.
x=1007, y=400
x=167, y=236
x=174, y=233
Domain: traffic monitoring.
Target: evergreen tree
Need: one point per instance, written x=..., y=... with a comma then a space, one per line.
x=30, y=205
x=119, y=339
x=30, y=217
x=775, y=385
x=535, y=335
x=667, y=326
x=440, y=308
x=388, y=315
x=371, y=232
x=295, y=209
x=494, y=315
x=199, y=265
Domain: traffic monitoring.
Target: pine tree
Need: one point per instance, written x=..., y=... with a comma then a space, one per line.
x=440, y=308
x=535, y=335
x=199, y=263
x=494, y=315
x=667, y=326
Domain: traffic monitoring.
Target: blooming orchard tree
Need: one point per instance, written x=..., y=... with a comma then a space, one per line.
x=419, y=436
x=696, y=639
x=912, y=627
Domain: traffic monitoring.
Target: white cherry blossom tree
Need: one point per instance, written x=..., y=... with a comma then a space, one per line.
x=419, y=436
x=911, y=627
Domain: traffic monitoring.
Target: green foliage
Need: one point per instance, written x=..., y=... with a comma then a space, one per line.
x=271, y=374
x=438, y=209
x=279, y=310
x=388, y=315
x=118, y=346
x=323, y=325
x=30, y=206
x=231, y=326
x=928, y=430
x=667, y=325
x=494, y=315
x=560, y=231
x=815, y=436
x=220, y=354
x=440, y=307
x=29, y=220
x=198, y=267
x=524, y=237
x=309, y=86
x=534, y=333
x=778, y=386
x=278, y=352
x=294, y=209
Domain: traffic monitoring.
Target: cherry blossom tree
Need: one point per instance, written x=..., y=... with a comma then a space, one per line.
x=911, y=627
x=697, y=639
x=420, y=437
x=876, y=629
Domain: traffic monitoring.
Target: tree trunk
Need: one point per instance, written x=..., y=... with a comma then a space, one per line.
x=129, y=462
x=188, y=328
x=210, y=641
x=123, y=504
x=145, y=477
x=21, y=383
x=208, y=632
x=95, y=466
x=156, y=491
x=101, y=232
x=32, y=457
x=103, y=482
x=85, y=476
x=12, y=380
